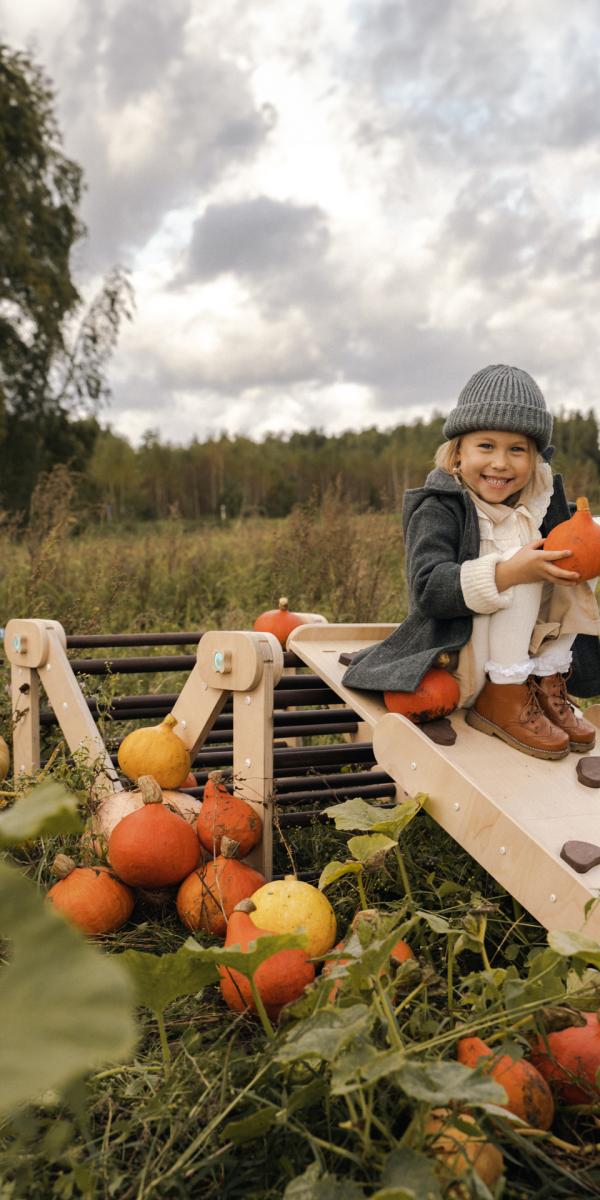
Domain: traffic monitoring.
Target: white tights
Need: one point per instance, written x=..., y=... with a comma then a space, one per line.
x=509, y=633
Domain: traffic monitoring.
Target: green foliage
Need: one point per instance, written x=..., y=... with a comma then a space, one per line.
x=48, y=366
x=64, y=1008
x=46, y=810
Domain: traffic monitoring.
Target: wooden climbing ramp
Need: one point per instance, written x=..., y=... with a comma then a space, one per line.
x=511, y=812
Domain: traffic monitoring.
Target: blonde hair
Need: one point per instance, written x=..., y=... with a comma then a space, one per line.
x=447, y=456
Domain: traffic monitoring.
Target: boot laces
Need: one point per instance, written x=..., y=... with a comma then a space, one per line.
x=533, y=711
x=560, y=694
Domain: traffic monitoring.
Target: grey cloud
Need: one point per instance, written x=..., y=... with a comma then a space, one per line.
x=471, y=83
x=206, y=119
x=254, y=238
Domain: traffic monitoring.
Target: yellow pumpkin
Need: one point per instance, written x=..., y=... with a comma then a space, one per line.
x=291, y=906
x=155, y=750
x=4, y=759
x=458, y=1150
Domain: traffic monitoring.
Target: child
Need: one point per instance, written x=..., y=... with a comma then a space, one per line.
x=482, y=587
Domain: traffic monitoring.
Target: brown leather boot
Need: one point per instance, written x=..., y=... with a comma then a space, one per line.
x=511, y=711
x=555, y=703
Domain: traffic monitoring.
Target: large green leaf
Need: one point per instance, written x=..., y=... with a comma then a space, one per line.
x=46, y=810
x=575, y=945
x=406, y=1169
x=65, y=1008
x=358, y=815
x=325, y=1034
x=334, y=871
x=362, y=1065
x=247, y=961
x=371, y=848
x=313, y=1185
x=159, y=979
x=446, y=1082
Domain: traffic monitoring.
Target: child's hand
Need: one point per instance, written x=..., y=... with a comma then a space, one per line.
x=531, y=564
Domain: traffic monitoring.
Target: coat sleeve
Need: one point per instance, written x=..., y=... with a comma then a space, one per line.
x=432, y=541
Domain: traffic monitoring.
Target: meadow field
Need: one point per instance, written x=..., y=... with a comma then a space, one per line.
x=333, y=1102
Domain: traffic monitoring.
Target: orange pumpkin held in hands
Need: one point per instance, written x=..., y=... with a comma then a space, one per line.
x=92, y=898
x=154, y=846
x=155, y=750
x=435, y=697
x=225, y=815
x=528, y=1094
x=209, y=895
x=279, y=980
x=581, y=535
x=279, y=621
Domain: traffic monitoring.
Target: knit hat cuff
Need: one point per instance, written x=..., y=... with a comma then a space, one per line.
x=535, y=423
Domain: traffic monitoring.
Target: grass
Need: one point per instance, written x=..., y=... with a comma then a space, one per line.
x=229, y=1118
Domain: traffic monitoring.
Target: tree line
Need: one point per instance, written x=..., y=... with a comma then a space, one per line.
x=225, y=477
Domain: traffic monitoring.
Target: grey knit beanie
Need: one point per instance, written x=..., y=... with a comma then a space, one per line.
x=501, y=397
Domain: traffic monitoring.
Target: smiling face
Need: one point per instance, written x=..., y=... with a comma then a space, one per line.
x=495, y=464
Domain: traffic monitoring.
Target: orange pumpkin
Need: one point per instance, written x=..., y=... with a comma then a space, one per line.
x=435, y=696
x=570, y=1060
x=279, y=980
x=279, y=621
x=209, y=895
x=401, y=952
x=190, y=781
x=153, y=847
x=225, y=815
x=92, y=898
x=581, y=535
x=529, y=1096
x=117, y=805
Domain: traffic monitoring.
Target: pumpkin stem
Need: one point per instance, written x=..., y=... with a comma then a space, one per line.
x=170, y=721
x=150, y=789
x=229, y=847
x=217, y=777
x=291, y=878
x=583, y=504
x=247, y=906
x=63, y=865
x=283, y=603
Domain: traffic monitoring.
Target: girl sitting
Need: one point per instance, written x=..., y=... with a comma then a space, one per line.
x=482, y=589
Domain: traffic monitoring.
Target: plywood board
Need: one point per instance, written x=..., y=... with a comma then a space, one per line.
x=511, y=812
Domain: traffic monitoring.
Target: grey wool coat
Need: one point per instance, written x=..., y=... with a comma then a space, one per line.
x=441, y=531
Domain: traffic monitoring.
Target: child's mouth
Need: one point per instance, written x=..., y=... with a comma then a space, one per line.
x=496, y=481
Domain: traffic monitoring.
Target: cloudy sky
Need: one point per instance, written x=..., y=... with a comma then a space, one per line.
x=333, y=211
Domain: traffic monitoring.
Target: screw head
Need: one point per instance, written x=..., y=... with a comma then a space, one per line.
x=503, y=850
x=552, y=898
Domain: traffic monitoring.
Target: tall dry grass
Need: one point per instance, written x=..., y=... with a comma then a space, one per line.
x=175, y=576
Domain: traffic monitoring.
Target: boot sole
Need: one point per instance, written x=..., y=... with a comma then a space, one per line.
x=484, y=726
x=581, y=747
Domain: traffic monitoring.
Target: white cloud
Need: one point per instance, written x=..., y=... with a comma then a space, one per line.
x=334, y=212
